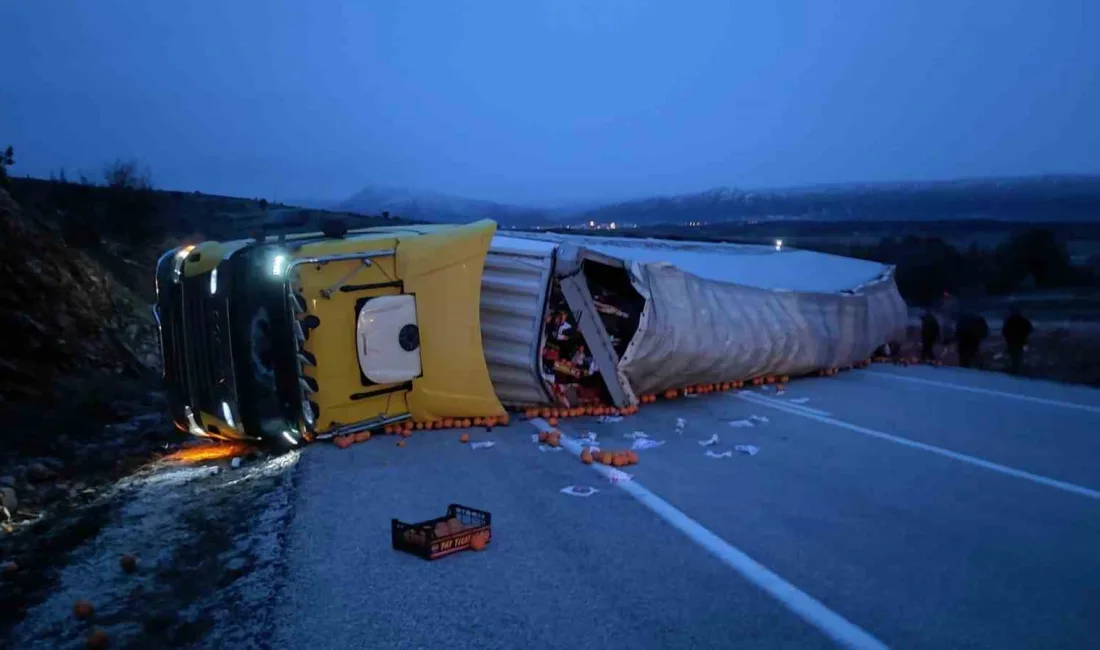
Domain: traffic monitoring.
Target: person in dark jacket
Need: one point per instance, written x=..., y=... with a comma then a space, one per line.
x=970, y=331
x=929, y=336
x=1016, y=330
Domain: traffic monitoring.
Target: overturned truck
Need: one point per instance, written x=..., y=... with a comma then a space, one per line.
x=294, y=338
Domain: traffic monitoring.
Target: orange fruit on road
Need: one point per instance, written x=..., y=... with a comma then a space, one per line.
x=478, y=541
x=83, y=609
x=543, y=435
x=400, y=443
x=586, y=457
x=552, y=422
x=97, y=640
x=606, y=457
x=464, y=438
x=128, y=563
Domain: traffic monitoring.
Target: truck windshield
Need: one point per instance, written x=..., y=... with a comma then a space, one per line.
x=209, y=369
x=263, y=350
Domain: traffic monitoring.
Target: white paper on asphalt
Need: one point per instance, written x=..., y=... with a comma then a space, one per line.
x=579, y=490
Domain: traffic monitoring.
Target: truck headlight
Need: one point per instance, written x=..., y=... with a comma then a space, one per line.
x=214, y=281
x=278, y=265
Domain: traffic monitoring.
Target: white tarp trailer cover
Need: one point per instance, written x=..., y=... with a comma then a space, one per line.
x=721, y=312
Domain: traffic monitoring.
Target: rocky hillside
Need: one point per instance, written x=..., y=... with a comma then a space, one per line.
x=64, y=312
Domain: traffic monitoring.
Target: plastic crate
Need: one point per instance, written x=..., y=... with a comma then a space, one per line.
x=421, y=539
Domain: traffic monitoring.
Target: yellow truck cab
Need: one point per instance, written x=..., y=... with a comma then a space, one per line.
x=313, y=336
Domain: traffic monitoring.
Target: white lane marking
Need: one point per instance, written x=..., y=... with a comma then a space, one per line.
x=988, y=391
x=973, y=460
x=831, y=624
x=761, y=399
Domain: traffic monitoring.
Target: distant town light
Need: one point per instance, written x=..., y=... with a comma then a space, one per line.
x=213, y=281
x=779, y=244
x=591, y=224
x=612, y=225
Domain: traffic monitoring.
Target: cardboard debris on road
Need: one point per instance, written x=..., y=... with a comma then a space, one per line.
x=635, y=435
x=482, y=445
x=645, y=443
x=713, y=440
x=750, y=450
x=717, y=454
x=741, y=424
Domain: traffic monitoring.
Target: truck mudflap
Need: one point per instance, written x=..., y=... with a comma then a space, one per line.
x=443, y=270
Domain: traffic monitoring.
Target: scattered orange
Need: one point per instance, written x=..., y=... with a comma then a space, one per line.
x=478, y=541
x=97, y=640
x=464, y=438
x=606, y=457
x=505, y=420
x=554, y=439
x=632, y=456
x=128, y=563
x=543, y=435
x=448, y=423
x=477, y=422
x=619, y=460
x=407, y=433
x=466, y=423
x=82, y=609
x=552, y=422
x=586, y=457
x=400, y=443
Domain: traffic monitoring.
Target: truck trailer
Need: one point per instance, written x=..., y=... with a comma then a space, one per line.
x=293, y=338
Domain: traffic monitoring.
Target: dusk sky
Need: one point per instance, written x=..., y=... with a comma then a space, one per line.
x=549, y=101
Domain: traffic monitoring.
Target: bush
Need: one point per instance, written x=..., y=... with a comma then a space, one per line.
x=7, y=159
x=927, y=267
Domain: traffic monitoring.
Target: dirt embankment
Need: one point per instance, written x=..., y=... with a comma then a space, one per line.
x=79, y=364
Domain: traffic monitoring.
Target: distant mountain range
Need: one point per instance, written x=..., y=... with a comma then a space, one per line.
x=444, y=208
x=1039, y=198
x=1042, y=198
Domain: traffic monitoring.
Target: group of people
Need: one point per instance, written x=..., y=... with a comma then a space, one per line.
x=969, y=331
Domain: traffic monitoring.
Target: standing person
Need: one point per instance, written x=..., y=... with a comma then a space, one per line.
x=970, y=330
x=1016, y=330
x=929, y=336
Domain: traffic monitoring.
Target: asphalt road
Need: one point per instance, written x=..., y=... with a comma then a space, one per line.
x=913, y=508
